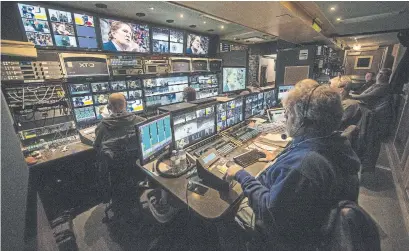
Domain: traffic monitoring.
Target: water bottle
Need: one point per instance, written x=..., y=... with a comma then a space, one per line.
x=177, y=162
x=173, y=160
x=183, y=162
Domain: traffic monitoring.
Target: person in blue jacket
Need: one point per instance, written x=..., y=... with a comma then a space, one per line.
x=288, y=203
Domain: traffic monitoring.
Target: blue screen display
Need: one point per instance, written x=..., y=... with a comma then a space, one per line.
x=155, y=136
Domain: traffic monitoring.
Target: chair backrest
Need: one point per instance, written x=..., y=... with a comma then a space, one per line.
x=350, y=228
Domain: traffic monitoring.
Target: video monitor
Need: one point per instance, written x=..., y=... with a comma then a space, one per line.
x=164, y=99
x=193, y=126
x=36, y=26
x=269, y=99
x=135, y=105
x=254, y=105
x=100, y=99
x=229, y=113
x=84, y=114
x=76, y=89
x=176, y=41
x=197, y=44
x=63, y=28
x=100, y=87
x=118, y=86
x=134, y=84
x=283, y=91
x=135, y=94
x=102, y=111
x=160, y=40
x=123, y=36
x=160, y=46
x=82, y=101
x=234, y=79
x=154, y=135
x=363, y=62
x=166, y=82
x=85, y=26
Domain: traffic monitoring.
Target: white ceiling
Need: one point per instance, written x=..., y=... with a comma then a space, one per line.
x=266, y=16
x=163, y=11
x=370, y=40
x=273, y=18
x=359, y=16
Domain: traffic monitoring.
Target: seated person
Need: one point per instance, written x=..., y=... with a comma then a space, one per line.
x=288, y=203
x=341, y=84
x=114, y=137
x=118, y=125
x=377, y=93
x=377, y=98
x=369, y=81
x=189, y=94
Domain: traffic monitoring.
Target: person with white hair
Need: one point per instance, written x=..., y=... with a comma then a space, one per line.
x=287, y=204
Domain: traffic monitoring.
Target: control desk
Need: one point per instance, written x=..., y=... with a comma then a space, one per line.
x=216, y=153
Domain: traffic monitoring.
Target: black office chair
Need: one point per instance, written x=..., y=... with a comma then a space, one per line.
x=119, y=179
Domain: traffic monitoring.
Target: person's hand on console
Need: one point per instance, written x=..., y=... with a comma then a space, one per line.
x=231, y=172
x=269, y=157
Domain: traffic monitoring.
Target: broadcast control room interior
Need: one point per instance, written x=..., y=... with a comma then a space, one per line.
x=195, y=125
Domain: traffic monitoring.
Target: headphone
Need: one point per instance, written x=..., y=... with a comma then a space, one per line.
x=305, y=120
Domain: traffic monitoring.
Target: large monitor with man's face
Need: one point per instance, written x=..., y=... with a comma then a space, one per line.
x=123, y=36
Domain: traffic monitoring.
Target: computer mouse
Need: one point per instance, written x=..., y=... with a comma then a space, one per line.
x=230, y=163
x=262, y=154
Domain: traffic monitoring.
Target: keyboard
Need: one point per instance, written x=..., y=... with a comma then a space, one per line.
x=248, y=158
x=249, y=135
x=226, y=149
x=273, y=128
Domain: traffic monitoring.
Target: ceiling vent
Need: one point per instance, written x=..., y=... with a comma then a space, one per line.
x=215, y=18
x=255, y=39
x=372, y=17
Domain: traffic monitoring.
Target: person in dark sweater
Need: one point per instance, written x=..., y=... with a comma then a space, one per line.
x=377, y=93
x=189, y=94
x=112, y=132
x=288, y=203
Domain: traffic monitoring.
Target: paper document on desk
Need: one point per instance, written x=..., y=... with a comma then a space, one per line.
x=261, y=146
x=274, y=139
x=258, y=120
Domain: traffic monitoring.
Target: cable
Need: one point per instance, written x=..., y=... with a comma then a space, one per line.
x=187, y=201
x=23, y=98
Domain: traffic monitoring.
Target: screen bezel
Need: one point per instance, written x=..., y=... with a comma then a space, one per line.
x=171, y=59
x=47, y=6
x=245, y=103
x=356, y=67
x=186, y=45
x=199, y=107
x=169, y=53
x=97, y=27
x=242, y=112
x=101, y=43
x=232, y=67
x=153, y=107
x=199, y=59
x=274, y=96
x=139, y=139
x=279, y=101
